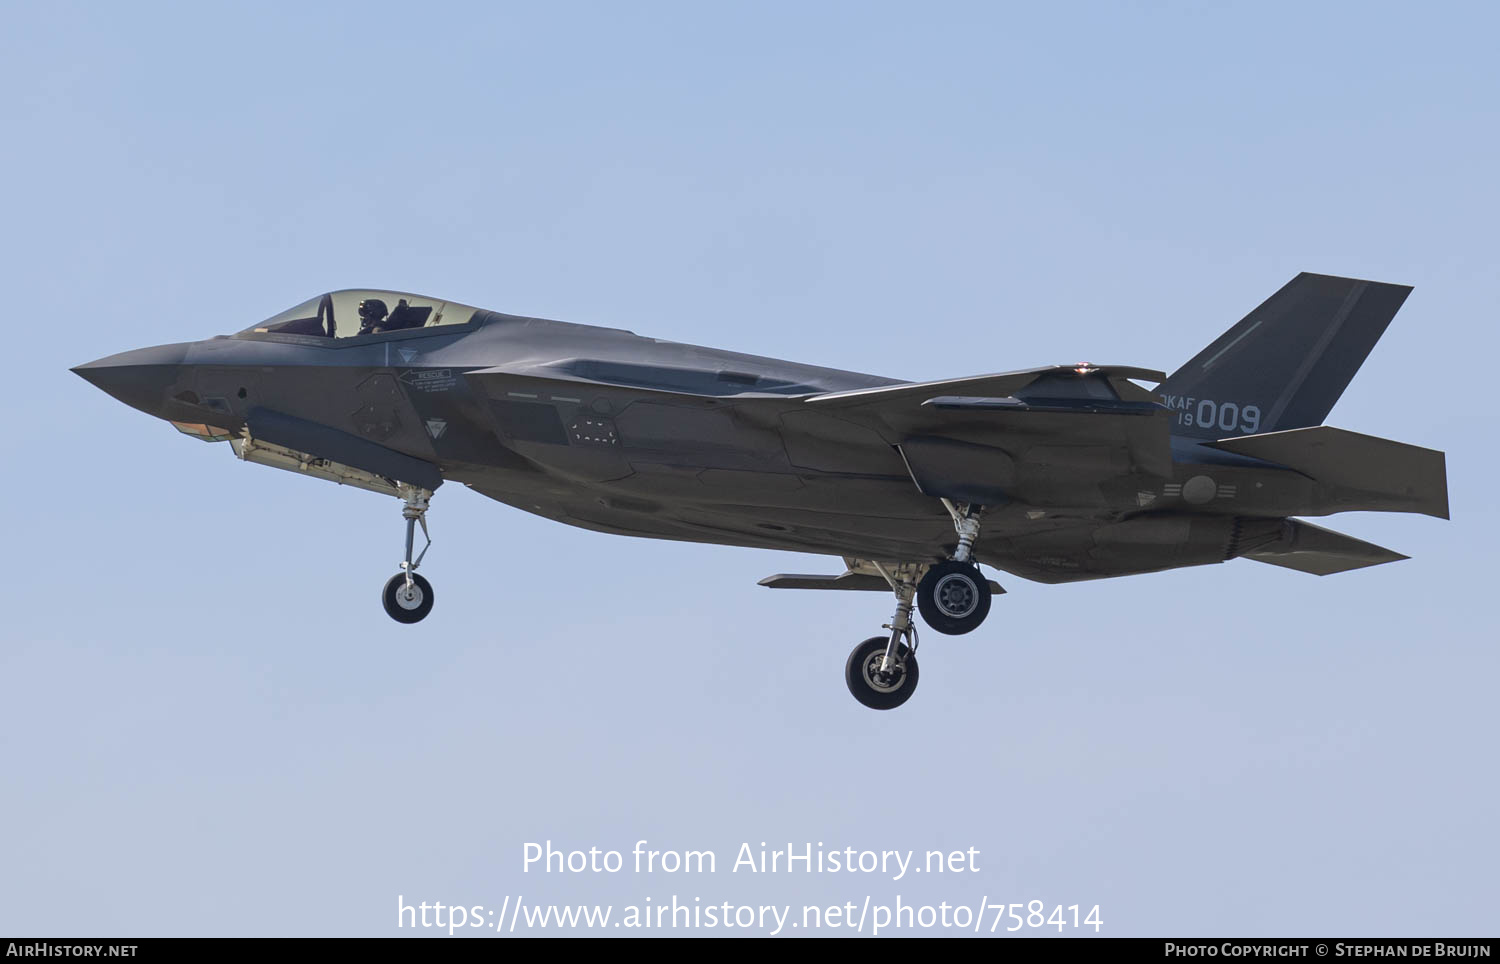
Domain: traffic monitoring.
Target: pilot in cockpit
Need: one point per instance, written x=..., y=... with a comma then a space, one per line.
x=372, y=312
x=374, y=317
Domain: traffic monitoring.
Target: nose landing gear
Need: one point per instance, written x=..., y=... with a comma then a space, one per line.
x=407, y=596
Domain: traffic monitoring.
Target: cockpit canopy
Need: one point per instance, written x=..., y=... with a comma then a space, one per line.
x=357, y=313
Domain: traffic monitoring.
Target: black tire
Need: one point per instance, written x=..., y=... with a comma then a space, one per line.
x=954, y=598
x=861, y=672
x=404, y=607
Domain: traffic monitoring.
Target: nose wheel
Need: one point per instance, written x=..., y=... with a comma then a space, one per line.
x=407, y=596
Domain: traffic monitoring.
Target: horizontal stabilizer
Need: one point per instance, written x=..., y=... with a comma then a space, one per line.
x=1365, y=472
x=849, y=580
x=1004, y=384
x=1322, y=552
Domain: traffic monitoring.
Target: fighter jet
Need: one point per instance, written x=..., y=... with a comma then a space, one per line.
x=1054, y=474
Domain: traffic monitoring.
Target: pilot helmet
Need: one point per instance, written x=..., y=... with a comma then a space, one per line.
x=372, y=310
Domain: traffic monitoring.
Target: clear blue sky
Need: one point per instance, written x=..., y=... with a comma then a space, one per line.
x=208, y=725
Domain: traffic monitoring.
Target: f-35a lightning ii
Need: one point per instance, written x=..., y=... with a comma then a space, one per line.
x=1054, y=474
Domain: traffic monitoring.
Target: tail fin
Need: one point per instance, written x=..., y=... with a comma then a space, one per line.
x=1286, y=363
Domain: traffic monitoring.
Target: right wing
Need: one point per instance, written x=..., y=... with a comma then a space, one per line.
x=1005, y=384
x=967, y=438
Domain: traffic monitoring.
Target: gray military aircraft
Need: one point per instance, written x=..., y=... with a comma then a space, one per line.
x=1054, y=474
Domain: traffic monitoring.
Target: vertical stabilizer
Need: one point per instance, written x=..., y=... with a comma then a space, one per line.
x=1286, y=363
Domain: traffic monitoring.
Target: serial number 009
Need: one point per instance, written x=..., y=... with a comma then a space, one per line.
x=1036, y=916
x=1223, y=416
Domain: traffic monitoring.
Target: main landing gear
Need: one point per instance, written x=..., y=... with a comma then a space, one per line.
x=953, y=597
x=407, y=596
x=882, y=672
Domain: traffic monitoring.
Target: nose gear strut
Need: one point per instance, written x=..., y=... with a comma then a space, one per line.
x=407, y=596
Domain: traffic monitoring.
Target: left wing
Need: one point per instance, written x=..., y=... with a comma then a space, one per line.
x=851, y=580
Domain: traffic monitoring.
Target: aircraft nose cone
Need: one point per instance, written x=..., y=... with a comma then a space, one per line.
x=141, y=378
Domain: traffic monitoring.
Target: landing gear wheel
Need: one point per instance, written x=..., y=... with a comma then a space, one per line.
x=407, y=604
x=954, y=597
x=876, y=689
